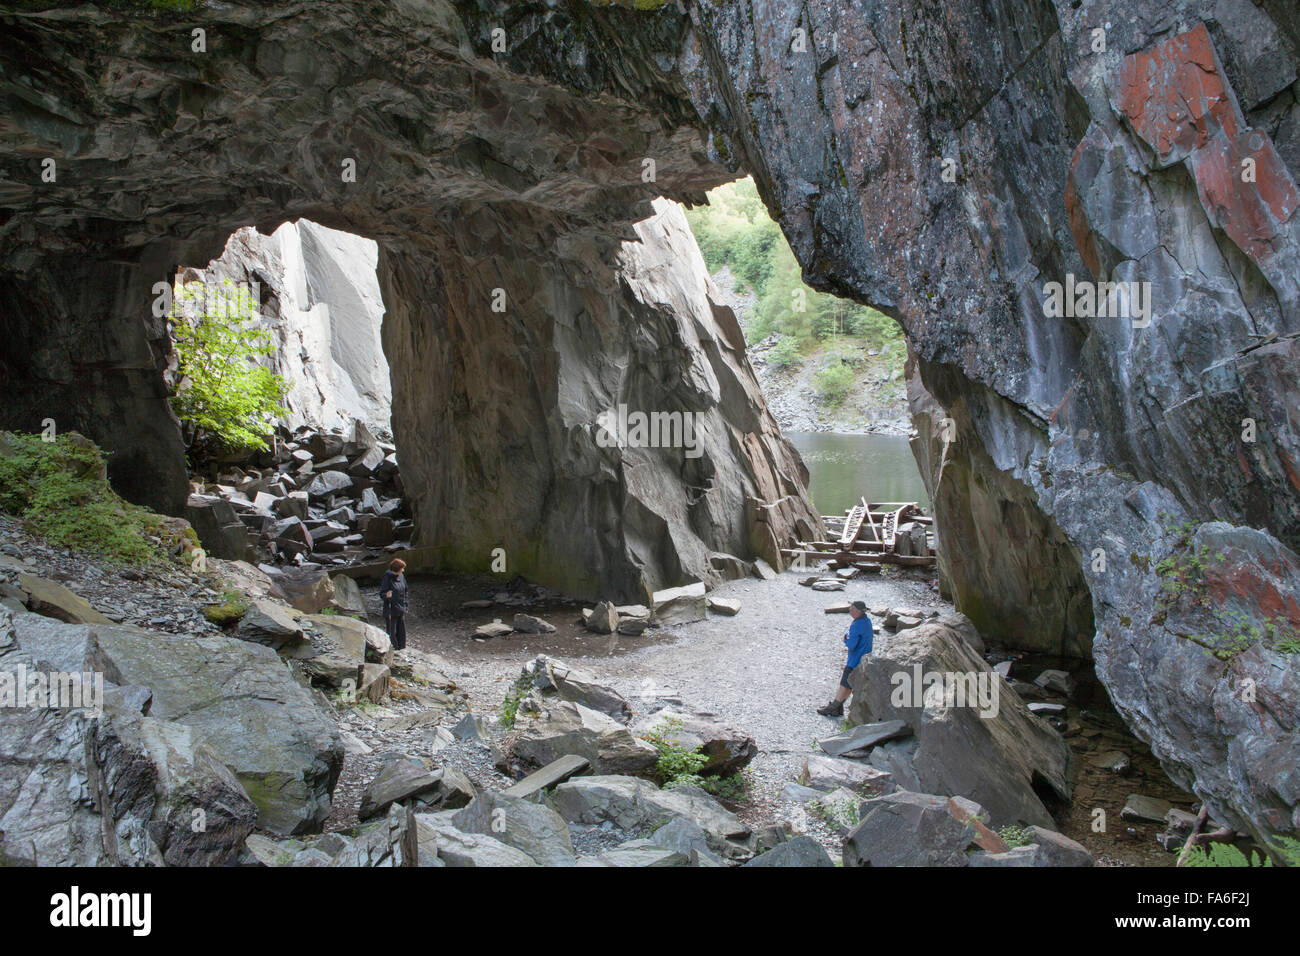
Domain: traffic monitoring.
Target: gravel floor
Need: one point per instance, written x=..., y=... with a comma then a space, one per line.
x=765, y=670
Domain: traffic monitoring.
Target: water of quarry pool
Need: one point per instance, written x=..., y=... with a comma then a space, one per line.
x=843, y=468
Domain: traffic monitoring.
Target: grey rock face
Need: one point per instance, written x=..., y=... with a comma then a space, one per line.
x=802, y=850
x=908, y=829
x=118, y=787
x=635, y=804
x=552, y=678
x=240, y=701
x=529, y=827
x=728, y=748
x=570, y=728
x=456, y=848
x=320, y=299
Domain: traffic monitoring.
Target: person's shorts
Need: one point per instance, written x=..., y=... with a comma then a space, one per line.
x=844, y=678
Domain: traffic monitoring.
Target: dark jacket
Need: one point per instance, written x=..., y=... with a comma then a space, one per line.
x=397, y=584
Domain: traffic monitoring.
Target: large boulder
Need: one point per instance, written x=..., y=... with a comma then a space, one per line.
x=336, y=649
x=682, y=605
x=830, y=773
x=310, y=590
x=456, y=848
x=801, y=850
x=552, y=678
x=529, y=827
x=201, y=812
x=169, y=796
x=571, y=728
x=909, y=829
x=631, y=803
x=728, y=748
x=268, y=622
x=974, y=737
x=406, y=779
x=347, y=597
x=56, y=601
x=236, y=696
x=219, y=529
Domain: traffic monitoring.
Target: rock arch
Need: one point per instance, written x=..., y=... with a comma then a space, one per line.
x=1105, y=432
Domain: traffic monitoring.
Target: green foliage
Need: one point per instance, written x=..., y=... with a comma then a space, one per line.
x=1221, y=855
x=833, y=383
x=676, y=766
x=60, y=491
x=510, y=705
x=1182, y=572
x=232, y=607
x=843, y=812
x=735, y=230
x=225, y=394
x=1014, y=836
x=734, y=789
x=1242, y=632
x=786, y=353
x=1182, y=577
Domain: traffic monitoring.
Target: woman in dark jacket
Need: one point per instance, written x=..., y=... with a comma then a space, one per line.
x=393, y=590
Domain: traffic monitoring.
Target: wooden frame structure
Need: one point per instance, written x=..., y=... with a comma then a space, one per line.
x=868, y=535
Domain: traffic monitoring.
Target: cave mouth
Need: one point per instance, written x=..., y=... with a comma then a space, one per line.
x=314, y=292
x=284, y=328
x=832, y=370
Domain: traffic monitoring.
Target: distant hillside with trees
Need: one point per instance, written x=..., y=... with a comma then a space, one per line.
x=850, y=355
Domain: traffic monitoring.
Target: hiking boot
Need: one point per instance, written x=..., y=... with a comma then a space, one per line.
x=834, y=709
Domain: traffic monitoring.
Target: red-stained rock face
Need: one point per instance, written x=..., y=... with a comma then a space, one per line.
x=1176, y=100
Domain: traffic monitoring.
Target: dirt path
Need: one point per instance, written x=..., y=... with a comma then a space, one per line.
x=765, y=670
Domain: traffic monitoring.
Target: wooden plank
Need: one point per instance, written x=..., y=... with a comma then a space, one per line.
x=853, y=525
x=875, y=532
x=836, y=546
x=863, y=557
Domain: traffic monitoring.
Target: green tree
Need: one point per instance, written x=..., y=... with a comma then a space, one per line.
x=735, y=230
x=225, y=394
x=785, y=354
x=834, y=382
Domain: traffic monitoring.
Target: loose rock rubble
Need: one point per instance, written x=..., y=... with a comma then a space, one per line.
x=386, y=752
x=315, y=498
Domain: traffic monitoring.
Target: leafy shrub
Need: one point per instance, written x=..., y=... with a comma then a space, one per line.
x=510, y=705
x=60, y=491
x=1225, y=854
x=677, y=766
x=225, y=394
x=785, y=354
x=834, y=382
x=734, y=789
x=1014, y=836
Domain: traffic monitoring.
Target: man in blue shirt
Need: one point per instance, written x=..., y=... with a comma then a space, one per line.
x=858, y=641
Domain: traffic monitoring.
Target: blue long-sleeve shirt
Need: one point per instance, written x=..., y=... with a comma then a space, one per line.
x=858, y=640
